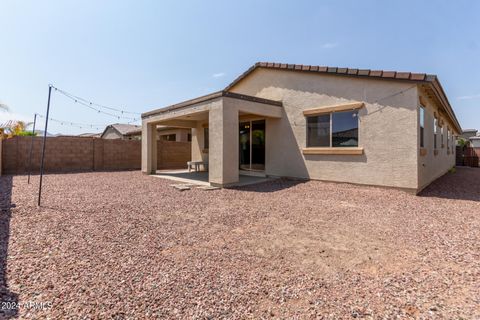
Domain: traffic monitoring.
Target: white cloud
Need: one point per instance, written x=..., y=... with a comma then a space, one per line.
x=218, y=75
x=330, y=45
x=470, y=97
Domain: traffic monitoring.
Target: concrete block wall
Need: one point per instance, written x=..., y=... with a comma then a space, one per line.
x=173, y=155
x=75, y=154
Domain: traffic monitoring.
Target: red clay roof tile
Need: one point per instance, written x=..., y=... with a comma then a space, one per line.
x=388, y=74
x=352, y=71
x=376, y=73
x=418, y=76
x=403, y=75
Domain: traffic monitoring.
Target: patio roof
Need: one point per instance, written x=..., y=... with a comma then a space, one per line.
x=208, y=97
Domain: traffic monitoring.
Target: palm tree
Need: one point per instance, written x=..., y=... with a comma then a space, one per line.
x=14, y=128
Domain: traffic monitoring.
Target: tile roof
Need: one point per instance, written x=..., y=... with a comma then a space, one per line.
x=384, y=74
x=211, y=96
x=125, y=129
x=430, y=79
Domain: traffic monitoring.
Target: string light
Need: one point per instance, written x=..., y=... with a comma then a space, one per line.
x=75, y=124
x=91, y=105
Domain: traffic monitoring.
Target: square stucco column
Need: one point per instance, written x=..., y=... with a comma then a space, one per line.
x=223, y=145
x=149, y=148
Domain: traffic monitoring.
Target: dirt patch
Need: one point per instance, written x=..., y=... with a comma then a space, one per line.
x=125, y=245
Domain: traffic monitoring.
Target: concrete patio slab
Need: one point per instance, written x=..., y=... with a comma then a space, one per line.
x=200, y=178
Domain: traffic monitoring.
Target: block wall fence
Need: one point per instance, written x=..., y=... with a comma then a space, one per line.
x=76, y=154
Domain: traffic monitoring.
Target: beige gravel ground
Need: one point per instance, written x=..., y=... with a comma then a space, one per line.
x=125, y=245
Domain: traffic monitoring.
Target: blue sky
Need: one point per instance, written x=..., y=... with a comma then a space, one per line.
x=141, y=55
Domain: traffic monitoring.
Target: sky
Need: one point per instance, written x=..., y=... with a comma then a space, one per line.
x=140, y=55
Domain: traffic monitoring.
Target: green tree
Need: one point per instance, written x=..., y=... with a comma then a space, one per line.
x=463, y=142
x=14, y=128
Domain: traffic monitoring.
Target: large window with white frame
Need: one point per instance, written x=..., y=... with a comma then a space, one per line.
x=334, y=129
x=435, y=132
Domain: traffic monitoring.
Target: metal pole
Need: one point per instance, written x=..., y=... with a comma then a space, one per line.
x=43, y=147
x=31, y=148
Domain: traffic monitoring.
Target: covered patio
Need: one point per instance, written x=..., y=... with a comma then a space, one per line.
x=215, y=123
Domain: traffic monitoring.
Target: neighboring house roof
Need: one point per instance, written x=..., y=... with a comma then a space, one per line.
x=429, y=79
x=89, y=134
x=470, y=130
x=123, y=129
x=209, y=97
x=41, y=132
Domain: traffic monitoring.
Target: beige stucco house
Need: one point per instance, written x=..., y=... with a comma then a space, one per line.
x=382, y=128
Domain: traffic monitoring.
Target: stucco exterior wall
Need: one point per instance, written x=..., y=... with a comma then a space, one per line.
x=433, y=164
x=387, y=127
x=181, y=134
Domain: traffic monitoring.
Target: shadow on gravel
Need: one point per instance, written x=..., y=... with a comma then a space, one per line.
x=271, y=186
x=464, y=184
x=9, y=300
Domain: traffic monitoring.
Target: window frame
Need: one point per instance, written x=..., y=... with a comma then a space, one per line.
x=435, y=132
x=448, y=138
x=421, y=125
x=442, y=133
x=330, y=114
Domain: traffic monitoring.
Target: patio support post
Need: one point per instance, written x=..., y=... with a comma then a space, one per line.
x=149, y=148
x=223, y=149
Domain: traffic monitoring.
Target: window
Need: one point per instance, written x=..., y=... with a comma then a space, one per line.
x=345, y=129
x=169, y=137
x=448, y=139
x=441, y=136
x=336, y=129
x=435, y=131
x=318, y=131
x=205, y=138
x=189, y=137
x=422, y=127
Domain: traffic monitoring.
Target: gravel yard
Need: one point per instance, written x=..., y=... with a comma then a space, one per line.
x=124, y=245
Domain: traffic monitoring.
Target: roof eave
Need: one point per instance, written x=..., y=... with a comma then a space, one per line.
x=210, y=97
x=361, y=73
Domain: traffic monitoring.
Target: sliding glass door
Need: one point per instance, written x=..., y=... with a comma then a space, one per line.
x=252, y=145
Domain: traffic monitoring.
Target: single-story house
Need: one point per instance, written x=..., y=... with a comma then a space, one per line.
x=134, y=132
x=472, y=136
x=475, y=142
x=371, y=127
x=468, y=133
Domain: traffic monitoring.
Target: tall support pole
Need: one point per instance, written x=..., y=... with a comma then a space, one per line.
x=31, y=148
x=43, y=147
